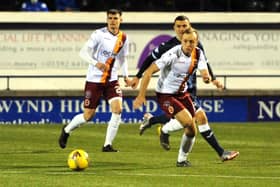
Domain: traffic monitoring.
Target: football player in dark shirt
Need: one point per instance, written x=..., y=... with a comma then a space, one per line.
x=181, y=23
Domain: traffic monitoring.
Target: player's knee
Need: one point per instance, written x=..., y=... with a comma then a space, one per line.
x=117, y=110
x=191, y=135
x=190, y=128
x=88, y=115
x=190, y=131
x=200, y=117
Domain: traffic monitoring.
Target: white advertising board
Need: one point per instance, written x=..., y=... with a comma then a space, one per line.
x=56, y=51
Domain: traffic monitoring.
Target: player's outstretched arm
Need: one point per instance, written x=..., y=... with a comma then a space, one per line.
x=141, y=97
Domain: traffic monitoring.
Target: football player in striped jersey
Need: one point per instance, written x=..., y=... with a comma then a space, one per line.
x=105, y=51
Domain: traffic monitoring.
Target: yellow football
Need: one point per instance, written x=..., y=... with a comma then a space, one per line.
x=78, y=160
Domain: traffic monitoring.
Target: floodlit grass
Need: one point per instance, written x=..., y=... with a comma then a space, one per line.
x=30, y=156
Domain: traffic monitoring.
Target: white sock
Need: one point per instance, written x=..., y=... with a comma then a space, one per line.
x=203, y=128
x=75, y=123
x=185, y=147
x=171, y=126
x=112, y=128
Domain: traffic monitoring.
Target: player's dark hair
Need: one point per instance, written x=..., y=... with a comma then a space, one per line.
x=181, y=18
x=114, y=11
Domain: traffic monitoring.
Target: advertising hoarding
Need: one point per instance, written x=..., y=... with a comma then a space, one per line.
x=45, y=110
x=229, y=51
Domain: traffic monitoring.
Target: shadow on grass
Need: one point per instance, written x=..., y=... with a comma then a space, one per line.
x=28, y=152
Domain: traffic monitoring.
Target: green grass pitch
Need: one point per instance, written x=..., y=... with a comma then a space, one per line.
x=30, y=156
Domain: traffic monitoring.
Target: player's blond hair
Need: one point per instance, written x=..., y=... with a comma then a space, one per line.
x=192, y=30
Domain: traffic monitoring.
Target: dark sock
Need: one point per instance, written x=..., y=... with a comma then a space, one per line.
x=211, y=139
x=162, y=119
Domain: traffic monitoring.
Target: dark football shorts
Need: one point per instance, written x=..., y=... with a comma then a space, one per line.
x=94, y=91
x=171, y=104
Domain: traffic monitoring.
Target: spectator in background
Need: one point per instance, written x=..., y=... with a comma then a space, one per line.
x=273, y=6
x=66, y=5
x=92, y=5
x=188, y=5
x=50, y=4
x=33, y=6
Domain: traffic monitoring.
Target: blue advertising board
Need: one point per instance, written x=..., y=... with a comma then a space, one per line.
x=264, y=109
x=225, y=109
x=42, y=110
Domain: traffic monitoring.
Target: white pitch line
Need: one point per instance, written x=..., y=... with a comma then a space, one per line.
x=197, y=175
x=147, y=174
